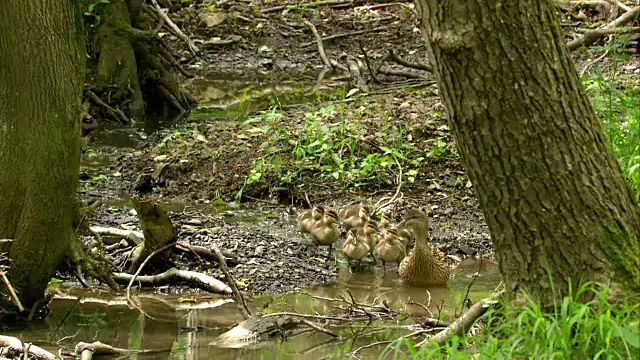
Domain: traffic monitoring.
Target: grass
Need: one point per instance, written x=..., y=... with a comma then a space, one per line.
x=574, y=329
x=325, y=145
x=617, y=105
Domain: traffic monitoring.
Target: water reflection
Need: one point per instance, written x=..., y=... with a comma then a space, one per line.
x=182, y=327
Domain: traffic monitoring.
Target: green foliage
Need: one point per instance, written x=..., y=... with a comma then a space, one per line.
x=617, y=105
x=333, y=149
x=597, y=329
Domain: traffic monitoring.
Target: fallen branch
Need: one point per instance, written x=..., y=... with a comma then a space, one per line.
x=464, y=322
x=620, y=4
x=393, y=56
x=306, y=5
x=352, y=33
x=323, y=55
x=206, y=253
x=173, y=27
x=14, y=348
x=12, y=293
x=592, y=36
x=116, y=113
x=199, y=280
x=242, y=305
x=401, y=73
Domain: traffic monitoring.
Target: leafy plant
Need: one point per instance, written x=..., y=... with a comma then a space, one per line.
x=572, y=330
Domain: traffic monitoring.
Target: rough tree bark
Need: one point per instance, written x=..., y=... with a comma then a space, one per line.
x=552, y=194
x=42, y=63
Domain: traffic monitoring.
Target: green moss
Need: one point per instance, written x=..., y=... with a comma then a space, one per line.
x=623, y=249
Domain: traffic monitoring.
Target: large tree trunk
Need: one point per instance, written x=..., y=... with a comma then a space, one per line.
x=551, y=192
x=42, y=63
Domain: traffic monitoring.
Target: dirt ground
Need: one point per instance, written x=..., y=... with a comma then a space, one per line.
x=198, y=165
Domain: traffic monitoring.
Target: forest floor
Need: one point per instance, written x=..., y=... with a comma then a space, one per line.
x=263, y=137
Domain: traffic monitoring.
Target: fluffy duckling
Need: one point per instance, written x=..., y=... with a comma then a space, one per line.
x=421, y=267
x=354, y=216
x=371, y=234
x=384, y=223
x=355, y=248
x=307, y=218
x=390, y=248
x=324, y=231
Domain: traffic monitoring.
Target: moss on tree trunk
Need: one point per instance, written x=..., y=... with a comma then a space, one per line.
x=551, y=192
x=42, y=63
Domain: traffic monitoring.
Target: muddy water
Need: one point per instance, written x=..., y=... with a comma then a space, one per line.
x=182, y=327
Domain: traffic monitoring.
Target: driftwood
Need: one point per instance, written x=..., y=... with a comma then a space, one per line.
x=202, y=281
x=14, y=348
x=592, y=36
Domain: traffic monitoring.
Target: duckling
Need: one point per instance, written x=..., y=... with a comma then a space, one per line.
x=384, y=223
x=371, y=234
x=421, y=267
x=324, y=232
x=354, y=216
x=307, y=218
x=353, y=247
x=406, y=237
x=390, y=248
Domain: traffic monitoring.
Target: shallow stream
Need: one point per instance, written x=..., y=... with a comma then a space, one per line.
x=183, y=326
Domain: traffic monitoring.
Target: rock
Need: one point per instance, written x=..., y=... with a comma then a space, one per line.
x=211, y=19
x=258, y=251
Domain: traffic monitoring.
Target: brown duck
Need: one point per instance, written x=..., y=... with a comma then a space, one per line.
x=421, y=267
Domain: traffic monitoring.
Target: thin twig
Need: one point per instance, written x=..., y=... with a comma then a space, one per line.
x=366, y=60
x=377, y=343
x=466, y=295
x=591, y=63
x=393, y=198
x=142, y=267
x=12, y=293
x=242, y=305
x=352, y=33
x=306, y=5
x=319, y=328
